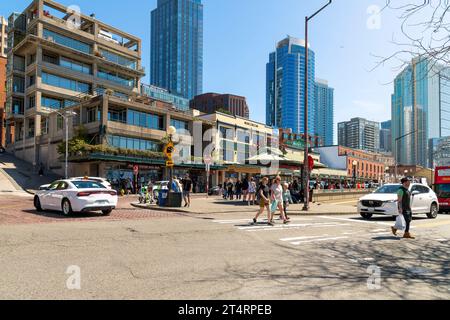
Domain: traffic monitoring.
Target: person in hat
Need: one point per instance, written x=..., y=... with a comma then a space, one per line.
x=404, y=206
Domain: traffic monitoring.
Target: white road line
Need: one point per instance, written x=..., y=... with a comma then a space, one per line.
x=303, y=238
x=289, y=226
x=317, y=240
x=250, y=220
x=357, y=221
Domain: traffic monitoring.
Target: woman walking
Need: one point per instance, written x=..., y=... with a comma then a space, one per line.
x=252, y=192
x=277, y=196
x=287, y=199
x=264, y=202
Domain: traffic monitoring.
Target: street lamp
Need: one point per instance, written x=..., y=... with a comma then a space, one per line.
x=355, y=163
x=306, y=79
x=396, y=149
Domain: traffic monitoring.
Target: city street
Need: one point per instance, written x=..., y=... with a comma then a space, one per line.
x=147, y=254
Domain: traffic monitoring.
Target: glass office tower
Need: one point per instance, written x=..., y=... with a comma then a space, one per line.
x=324, y=109
x=420, y=102
x=177, y=47
x=285, y=87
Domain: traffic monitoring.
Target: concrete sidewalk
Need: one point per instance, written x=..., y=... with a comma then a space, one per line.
x=216, y=205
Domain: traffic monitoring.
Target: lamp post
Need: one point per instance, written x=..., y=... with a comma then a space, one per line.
x=306, y=79
x=396, y=149
x=355, y=164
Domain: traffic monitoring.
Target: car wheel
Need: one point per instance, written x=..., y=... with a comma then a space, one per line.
x=366, y=216
x=107, y=212
x=37, y=204
x=433, y=212
x=66, y=207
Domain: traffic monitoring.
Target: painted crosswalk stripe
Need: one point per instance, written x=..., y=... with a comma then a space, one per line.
x=357, y=221
x=289, y=226
x=318, y=240
x=250, y=220
x=302, y=238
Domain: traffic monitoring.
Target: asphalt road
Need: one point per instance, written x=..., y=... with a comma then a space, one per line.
x=220, y=256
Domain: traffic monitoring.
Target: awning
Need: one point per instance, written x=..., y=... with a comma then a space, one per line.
x=329, y=173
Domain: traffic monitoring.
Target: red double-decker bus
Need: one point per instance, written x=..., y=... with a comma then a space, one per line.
x=442, y=187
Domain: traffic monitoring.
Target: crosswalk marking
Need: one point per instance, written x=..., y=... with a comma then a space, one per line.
x=357, y=221
x=289, y=226
x=317, y=240
x=232, y=221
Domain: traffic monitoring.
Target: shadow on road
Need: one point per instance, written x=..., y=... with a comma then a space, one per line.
x=57, y=215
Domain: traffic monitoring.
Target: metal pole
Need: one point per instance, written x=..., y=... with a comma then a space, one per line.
x=306, y=159
x=396, y=162
x=66, y=118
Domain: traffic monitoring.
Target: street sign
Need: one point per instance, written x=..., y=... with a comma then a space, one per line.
x=207, y=160
x=311, y=163
x=170, y=164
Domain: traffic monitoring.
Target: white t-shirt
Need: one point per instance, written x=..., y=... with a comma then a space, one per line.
x=277, y=191
x=252, y=187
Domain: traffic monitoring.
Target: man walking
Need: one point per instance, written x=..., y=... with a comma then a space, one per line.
x=187, y=189
x=404, y=207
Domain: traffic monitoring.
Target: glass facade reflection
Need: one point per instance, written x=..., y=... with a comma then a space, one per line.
x=68, y=42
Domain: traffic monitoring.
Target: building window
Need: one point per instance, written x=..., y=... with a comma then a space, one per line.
x=117, y=116
x=145, y=120
x=133, y=143
x=31, y=81
x=31, y=102
x=65, y=83
x=179, y=124
x=115, y=77
x=59, y=122
x=66, y=41
x=44, y=125
x=115, y=58
x=30, y=132
x=91, y=114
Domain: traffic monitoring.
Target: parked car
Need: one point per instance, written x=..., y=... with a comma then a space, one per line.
x=74, y=195
x=384, y=201
x=214, y=191
x=102, y=181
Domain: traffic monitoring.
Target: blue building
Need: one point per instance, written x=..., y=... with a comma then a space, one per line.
x=324, y=103
x=285, y=87
x=421, y=106
x=177, y=47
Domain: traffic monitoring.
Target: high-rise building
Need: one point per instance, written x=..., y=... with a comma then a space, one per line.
x=439, y=152
x=3, y=36
x=324, y=99
x=359, y=133
x=212, y=102
x=386, y=137
x=285, y=87
x=177, y=47
x=420, y=110
x=3, y=61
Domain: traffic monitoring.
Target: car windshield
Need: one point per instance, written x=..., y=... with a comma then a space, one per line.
x=443, y=190
x=87, y=185
x=388, y=189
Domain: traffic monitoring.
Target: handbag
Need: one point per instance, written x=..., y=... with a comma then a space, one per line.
x=274, y=206
x=400, y=223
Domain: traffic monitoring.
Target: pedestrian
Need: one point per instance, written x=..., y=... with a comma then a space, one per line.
x=287, y=199
x=251, y=192
x=404, y=207
x=264, y=202
x=230, y=187
x=277, y=199
x=238, y=189
x=150, y=187
x=245, y=186
x=187, y=189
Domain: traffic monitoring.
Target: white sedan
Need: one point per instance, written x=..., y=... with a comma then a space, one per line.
x=384, y=201
x=71, y=196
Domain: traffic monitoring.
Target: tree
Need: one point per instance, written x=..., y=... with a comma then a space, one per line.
x=425, y=31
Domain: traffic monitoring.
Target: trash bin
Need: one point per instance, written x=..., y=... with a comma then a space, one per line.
x=162, y=197
x=175, y=200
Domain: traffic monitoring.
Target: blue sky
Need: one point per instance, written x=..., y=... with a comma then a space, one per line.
x=240, y=34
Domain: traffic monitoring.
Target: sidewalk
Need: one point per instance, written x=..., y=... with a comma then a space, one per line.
x=216, y=205
x=21, y=176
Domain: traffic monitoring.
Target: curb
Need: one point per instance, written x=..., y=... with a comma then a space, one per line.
x=13, y=182
x=156, y=208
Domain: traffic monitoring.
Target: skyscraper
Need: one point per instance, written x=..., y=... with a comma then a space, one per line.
x=3, y=61
x=359, y=133
x=177, y=47
x=386, y=136
x=420, y=108
x=285, y=86
x=324, y=98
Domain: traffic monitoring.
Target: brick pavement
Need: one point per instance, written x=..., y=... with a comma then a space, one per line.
x=20, y=210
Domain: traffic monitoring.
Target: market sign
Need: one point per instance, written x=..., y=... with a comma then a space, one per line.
x=295, y=143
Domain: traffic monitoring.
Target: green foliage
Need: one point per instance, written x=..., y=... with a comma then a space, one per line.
x=222, y=110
